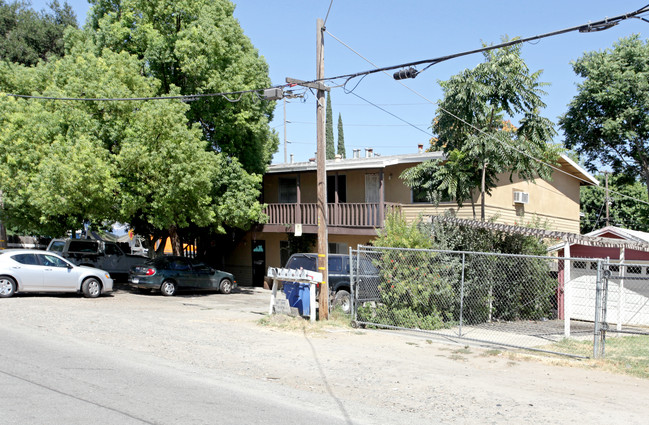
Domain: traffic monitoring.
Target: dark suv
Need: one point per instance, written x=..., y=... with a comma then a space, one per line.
x=339, y=275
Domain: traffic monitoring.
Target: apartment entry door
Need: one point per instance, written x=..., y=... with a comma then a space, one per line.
x=372, y=196
x=258, y=262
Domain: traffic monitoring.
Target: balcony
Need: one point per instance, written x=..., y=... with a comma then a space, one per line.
x=344, y=218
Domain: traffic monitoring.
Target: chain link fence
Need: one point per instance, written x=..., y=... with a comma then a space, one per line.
x=528, y=302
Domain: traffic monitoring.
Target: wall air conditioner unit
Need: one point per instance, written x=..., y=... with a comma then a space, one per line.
x=521, y=197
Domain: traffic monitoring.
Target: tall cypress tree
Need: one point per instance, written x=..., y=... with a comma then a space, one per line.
x=329, y=125
x=341, y=138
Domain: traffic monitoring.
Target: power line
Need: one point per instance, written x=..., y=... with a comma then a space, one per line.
x=390, y=113
x=360, y=125
x=600, y=25
x=327, y=16
x=188, y=97
x=478, y=129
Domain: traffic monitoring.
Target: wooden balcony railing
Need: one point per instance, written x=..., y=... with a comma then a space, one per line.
x=340, y=215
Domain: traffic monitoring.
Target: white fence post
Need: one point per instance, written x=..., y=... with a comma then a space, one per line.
x=567, y=298
x=620, y=299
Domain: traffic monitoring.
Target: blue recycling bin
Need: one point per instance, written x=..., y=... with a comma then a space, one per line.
x=298, y=296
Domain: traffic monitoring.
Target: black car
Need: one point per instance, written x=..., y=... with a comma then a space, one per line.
x=339, y=275
x=170, y=273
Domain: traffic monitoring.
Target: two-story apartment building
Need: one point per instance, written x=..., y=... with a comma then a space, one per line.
x=361, y=190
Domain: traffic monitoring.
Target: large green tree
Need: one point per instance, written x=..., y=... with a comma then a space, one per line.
x=199, y=47
x=608, y=119
x=27, y=36
x=473, y=128
x=624, y=208
x=67, y=162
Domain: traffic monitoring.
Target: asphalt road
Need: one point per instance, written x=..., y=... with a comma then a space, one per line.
x=205, y=358
x=49, y=380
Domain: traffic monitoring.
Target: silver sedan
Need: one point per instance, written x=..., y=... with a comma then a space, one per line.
x=28, y=270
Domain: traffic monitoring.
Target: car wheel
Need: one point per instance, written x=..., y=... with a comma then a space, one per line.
x=91, y=288
x=225, y=287
x=7, y=287
x=344, y=301
x=168, y=288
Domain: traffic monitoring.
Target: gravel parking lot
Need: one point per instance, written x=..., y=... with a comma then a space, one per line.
x=412, y=376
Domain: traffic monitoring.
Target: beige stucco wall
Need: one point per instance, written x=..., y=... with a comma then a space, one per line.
x=553, y=203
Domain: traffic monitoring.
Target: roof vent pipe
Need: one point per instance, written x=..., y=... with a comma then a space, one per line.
x=369, y=152
x=291, y=158
x=357, y=153
x=420, y=148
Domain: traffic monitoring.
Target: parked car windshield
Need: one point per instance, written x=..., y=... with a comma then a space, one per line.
x=303, y=262
x=57, y=246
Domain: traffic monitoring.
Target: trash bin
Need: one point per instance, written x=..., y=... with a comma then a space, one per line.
x=298, y=296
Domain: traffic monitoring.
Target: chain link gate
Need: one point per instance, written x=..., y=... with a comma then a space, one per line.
x=623, y=306
x=517, y=301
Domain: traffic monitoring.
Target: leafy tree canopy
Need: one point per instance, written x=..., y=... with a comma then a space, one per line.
x=198, y=47
x=607, y=121
x=27, y=36
x=64, y=163
x=624, y=209
x=473, y=128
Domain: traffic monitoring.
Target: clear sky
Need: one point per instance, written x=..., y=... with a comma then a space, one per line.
x=390, y=33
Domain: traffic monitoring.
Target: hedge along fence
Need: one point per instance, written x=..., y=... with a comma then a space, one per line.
x=431, y=289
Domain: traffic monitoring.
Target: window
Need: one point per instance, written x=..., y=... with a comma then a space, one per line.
x=579, y=264
x=421, y=195
x=613, y=269
x=366, y=267
x=338, y=248
x=331, y=188
x=82, y=246
x=335, y=264
x=287, y=190
x=29, y=259
x=57, y=246
x=52, y=261
x=179, y=264
x=111, y=249
x=303, y=262
x=284, y=252
x=200, y=267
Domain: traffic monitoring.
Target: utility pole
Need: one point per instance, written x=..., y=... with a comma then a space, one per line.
x=323, y=236
x=606, y=199
x=321, y=176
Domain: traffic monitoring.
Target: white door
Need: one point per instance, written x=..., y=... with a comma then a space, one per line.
x=57, y=276
x=29, y=271
x=372, y=198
